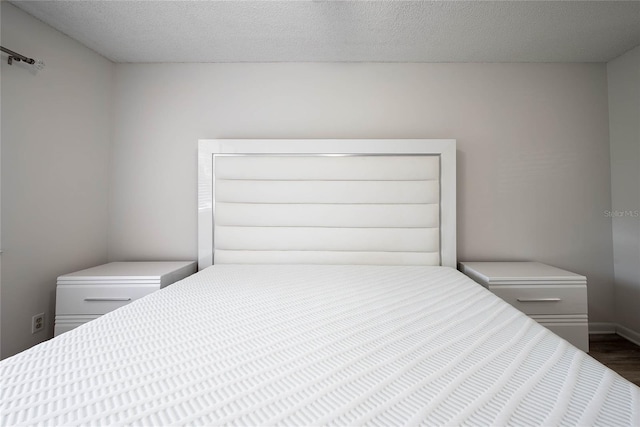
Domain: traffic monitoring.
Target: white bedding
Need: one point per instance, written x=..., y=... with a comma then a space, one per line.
x=312, y=345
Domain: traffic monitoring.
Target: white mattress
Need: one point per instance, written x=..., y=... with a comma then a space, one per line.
x=312, y=345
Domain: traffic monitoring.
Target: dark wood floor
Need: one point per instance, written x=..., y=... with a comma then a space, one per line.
x=618, y=354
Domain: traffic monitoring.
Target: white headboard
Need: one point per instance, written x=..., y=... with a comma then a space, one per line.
x=385, y=202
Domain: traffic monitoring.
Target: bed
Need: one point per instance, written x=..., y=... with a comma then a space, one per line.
x=295, y=326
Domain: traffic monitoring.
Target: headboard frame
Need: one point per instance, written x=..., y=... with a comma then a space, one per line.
x=386, y=202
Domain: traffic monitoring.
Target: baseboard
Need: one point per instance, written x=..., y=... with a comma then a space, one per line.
x=614, y=328
x=602, y=328
x=629, y=334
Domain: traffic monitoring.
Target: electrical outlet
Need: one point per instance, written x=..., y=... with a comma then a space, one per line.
x=37, y=323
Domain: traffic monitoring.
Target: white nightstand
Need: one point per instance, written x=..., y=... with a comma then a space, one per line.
x=88, y=294
x=553, y=297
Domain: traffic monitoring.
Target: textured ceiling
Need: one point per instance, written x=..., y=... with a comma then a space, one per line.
x=347, y=31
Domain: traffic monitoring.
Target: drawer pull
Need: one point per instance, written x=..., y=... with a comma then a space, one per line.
x=108, y=299
x=539, y=299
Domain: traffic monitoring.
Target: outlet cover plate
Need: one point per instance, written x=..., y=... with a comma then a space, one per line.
x=37, y=323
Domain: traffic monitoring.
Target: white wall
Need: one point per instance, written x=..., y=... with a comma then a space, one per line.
x=534, y=173
x=624, y=118
x=56, y=128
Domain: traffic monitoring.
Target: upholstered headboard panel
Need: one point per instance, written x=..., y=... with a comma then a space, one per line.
x=304, y=202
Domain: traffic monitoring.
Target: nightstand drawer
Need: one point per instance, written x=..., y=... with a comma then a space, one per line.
x=98, y=299
x=545, y=299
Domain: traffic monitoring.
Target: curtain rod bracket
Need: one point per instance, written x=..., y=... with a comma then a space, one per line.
x=14, y=56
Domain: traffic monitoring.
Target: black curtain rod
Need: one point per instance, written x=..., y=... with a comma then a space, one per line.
x=16, y=56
